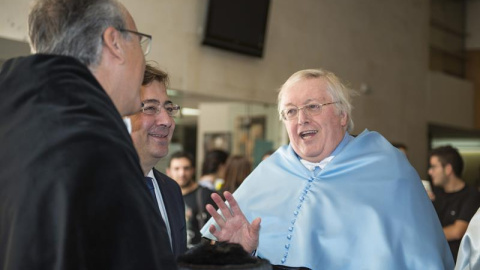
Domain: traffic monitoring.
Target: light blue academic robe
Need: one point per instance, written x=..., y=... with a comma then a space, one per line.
x=367, y=209
x=469, y=253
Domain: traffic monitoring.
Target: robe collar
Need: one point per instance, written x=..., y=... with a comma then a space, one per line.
x=312, y=165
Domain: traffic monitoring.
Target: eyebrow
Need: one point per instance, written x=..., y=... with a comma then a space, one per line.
x=156, y=101
x=306, y=102
x=151, y=101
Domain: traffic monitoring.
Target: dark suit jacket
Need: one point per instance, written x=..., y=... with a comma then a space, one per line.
x=72, y=192
x=173, y=200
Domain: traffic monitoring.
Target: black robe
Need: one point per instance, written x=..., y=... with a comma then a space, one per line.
x=72, y=194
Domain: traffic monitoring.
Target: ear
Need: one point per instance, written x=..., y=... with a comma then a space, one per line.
x=448, y=169
x=113, y=42
x=343, y=119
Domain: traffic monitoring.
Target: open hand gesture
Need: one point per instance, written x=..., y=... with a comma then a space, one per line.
x=234, y=226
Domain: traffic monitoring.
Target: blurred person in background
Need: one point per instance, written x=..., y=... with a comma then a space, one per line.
x=402, y=147
x=454, y=200
x=181, y=169
x=267, y=154
x=213, y=169
x=237, y=168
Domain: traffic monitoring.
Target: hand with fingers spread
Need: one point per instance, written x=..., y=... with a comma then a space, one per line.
x=234, y=226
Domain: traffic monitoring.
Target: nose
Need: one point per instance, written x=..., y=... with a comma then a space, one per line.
x=162, y=118
x=302, y=117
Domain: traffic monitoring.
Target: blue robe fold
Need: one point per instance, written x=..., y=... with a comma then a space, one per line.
x=469, y=252
x=367, y=209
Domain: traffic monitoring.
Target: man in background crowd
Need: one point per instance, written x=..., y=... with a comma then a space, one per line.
x=455, y=201
x=181, y=169
x=152, y=130
x=72, y=194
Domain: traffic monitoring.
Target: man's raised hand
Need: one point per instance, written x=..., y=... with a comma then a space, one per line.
x=234, y=226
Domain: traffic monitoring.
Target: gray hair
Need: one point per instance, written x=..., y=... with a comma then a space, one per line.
x=73, y=27
x=337, y=90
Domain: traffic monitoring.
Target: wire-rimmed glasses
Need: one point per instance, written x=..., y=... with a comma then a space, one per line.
x=153, y=108
x=145, y=40
x=291, y=112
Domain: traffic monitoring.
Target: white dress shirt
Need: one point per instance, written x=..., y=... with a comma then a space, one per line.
x=161, y=205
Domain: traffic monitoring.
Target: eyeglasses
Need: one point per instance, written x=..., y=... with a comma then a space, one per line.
x=291, y=113
x=154, y=108
x=145, y=40
x=434, y=166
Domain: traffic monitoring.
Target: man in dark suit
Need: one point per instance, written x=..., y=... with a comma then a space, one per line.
x=152, y=130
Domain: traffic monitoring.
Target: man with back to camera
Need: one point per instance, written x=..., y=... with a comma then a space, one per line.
x=181, y=169
x=152, y=131
x=329, y=200
x=72, y=194
x=455, y=201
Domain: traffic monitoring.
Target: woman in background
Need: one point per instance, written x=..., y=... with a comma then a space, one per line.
x=213, y=170
x=237, y=169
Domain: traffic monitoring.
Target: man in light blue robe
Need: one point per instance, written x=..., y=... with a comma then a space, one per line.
x=328, y=200
x=469, y=253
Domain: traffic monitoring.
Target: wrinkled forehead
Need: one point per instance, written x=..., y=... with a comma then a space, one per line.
x=154, y=92
x=304, y=90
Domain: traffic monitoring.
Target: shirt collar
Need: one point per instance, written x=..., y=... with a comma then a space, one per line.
x=311, y=165
x=150, y=174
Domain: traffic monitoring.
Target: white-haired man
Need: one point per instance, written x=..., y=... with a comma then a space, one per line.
x=329, y=200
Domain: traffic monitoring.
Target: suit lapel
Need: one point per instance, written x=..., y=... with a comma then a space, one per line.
x=167, y=201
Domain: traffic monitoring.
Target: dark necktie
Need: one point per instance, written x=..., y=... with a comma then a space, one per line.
x=151, y=188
